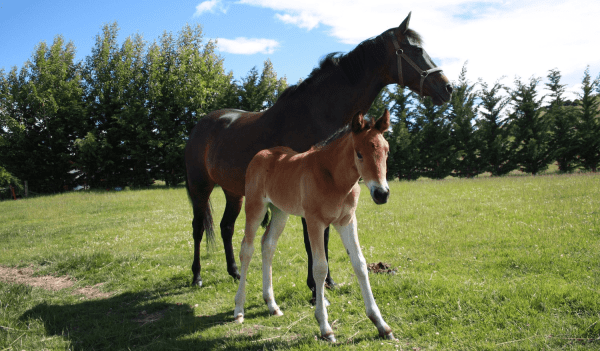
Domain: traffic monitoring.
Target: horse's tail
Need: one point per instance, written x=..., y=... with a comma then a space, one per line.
x=209, y=227
x=266, y=220
x=207, y=220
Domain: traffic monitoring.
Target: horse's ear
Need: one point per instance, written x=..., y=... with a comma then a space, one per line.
x=358, y=122
x=383, y=123
x=404, y=25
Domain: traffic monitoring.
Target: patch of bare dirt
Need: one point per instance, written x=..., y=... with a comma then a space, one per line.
x=26, y=276
x=145, y=318
x=381, y=267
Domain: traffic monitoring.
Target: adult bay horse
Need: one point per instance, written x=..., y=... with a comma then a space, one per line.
x=222, y=144
x=320, y=185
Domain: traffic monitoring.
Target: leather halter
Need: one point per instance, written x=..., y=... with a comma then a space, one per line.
x=424, y=74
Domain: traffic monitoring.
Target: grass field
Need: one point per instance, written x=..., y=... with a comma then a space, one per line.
x=507, y=263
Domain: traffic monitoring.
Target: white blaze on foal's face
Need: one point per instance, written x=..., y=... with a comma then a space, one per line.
x=371, y=152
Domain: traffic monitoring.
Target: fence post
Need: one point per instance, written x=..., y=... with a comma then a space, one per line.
x=26, y=188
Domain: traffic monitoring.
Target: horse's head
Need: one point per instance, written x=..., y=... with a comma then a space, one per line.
x=370, y=154
x=412, y=67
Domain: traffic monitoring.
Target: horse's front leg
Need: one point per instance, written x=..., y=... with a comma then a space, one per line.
x=315, y=235
x=349, y=235
x=269, y=244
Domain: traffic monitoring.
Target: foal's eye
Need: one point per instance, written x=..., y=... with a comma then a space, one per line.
x=358, y=155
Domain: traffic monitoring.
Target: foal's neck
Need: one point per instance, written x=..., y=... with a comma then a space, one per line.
x=338, y=159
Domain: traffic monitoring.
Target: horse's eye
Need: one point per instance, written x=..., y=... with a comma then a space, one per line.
x=358, y=155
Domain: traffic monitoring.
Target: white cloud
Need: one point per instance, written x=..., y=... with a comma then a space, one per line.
x=498, y=37
x=247, y=46
x=209, y=6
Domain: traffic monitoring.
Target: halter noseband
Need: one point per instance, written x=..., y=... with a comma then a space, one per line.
x=424, y=74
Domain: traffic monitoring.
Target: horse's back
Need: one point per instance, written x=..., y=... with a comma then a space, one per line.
x=222, y=144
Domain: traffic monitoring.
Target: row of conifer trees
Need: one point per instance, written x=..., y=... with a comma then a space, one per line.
x=123, y=114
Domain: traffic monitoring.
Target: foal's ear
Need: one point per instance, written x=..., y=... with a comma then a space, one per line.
x=404, y=25
x=358, y=122
x=383, y=123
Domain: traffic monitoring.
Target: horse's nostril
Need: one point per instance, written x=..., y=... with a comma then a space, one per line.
x=449, y=88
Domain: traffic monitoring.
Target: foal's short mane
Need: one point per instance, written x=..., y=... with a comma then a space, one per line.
x=340, y=133
x=370, y=52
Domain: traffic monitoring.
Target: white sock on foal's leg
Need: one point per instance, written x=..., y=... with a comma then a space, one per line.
x=269, y=245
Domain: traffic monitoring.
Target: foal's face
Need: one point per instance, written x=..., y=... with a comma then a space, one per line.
x=370, y=155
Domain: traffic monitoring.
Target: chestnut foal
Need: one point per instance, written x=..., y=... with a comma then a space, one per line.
x=320, y=185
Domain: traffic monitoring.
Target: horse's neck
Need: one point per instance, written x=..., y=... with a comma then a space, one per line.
x=338, y=159
x=326, y=106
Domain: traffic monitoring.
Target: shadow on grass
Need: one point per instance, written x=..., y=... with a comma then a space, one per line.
x=140, y=320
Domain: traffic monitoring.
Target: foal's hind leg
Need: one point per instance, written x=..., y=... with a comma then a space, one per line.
x=269, y=244
x=232, y=210
x=310, y=281
x=349, y=236
x=315, y=235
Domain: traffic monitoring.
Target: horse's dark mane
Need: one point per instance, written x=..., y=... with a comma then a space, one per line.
x=370, y=52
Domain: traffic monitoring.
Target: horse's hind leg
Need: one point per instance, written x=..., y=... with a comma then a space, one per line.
x=269, y=244
x=199, y=195
x=310, y=281
x=232, y=211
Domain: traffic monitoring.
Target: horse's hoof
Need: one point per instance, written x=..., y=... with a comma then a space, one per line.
x=277, y=313
x=239, y=318
x=330, y=284
x=197, y=283
x=235, y=274
x=329, y=337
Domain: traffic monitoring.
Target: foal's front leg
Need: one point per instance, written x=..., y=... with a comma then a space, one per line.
x=349, y=236
x=269, y=244
x=254, y=214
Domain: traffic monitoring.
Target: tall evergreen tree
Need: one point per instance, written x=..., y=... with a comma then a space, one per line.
x=44, y=117
x=105, y=154
x=403, y=161
x=461, y=114
x=492, y=131
x=257, y=91
x=529, y=128
x=588, y=123
x=562, y=143
x=437, y=154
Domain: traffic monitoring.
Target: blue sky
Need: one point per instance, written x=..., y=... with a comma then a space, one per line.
x=498, y=37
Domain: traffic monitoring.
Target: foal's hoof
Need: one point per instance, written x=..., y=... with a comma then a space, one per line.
x=277, y=313
x=197, y=283
x=330, y=284
x=329, y=337
x=239, y=318
x=389, y=336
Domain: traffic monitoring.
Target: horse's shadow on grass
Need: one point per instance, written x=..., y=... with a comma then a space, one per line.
x=139, y=320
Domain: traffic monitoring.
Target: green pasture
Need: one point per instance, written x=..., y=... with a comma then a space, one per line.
x=508, y=263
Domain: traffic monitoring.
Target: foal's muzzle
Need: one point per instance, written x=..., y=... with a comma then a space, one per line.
x=380, y=195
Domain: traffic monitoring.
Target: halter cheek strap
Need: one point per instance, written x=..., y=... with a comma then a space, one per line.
x=424, y=74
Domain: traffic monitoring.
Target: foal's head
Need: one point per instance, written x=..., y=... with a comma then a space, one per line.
x=370, y=154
